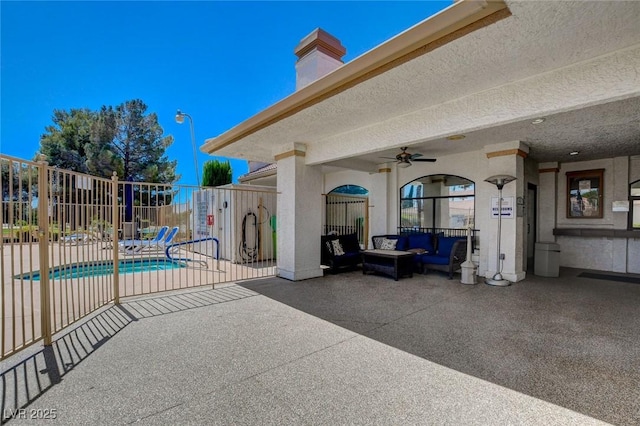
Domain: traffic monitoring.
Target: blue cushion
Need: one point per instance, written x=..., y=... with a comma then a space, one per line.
x=348, y=256
x=424, y=241
x=434, y=259
x=403, y=243
x=350, y=243
x=445, y=244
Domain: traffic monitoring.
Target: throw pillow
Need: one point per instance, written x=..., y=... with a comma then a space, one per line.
x=337, y=248
x=377, y=241
x=329, y=247
x=388, y=244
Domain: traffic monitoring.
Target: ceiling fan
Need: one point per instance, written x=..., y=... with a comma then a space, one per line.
x=404, y=159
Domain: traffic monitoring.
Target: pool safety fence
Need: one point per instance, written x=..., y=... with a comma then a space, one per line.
x=347, y=214
x=73, y=243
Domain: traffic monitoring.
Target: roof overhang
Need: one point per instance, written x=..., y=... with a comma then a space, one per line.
x=455, y=21
x=575, y=63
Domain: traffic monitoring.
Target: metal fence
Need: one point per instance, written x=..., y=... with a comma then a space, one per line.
x=347, y=214
x=72, y=243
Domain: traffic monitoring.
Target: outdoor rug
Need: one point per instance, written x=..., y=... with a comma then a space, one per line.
x=609, y=277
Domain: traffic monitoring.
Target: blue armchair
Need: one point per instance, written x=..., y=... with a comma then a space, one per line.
x=450, y=253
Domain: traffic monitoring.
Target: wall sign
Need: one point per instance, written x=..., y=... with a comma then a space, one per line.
x=620, y=206
x=508, y=207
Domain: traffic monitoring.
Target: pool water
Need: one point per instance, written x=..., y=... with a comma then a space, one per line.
x=99, y=268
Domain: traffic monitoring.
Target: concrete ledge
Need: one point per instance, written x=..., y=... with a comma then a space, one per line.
x=596, y=232
x=300, y=275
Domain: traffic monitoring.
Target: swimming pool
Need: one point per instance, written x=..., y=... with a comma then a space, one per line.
x=99, y=268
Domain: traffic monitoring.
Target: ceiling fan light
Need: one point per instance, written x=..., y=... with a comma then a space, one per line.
x=404, y=164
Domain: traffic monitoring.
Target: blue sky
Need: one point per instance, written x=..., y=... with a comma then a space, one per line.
x=220, y=62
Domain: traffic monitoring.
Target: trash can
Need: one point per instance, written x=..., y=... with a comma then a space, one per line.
x=547, y=262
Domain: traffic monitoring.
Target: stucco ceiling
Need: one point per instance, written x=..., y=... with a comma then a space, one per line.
x=540, y=61
x=601, y=131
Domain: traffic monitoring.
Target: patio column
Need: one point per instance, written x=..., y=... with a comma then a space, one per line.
x=379, y=202
x=548, y=198
x=299, y=219
x=508, y=159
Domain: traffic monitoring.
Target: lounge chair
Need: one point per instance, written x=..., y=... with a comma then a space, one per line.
x=155, y=244
x=131, y=245
x=80, y=237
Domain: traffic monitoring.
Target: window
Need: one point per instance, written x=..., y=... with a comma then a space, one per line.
x=634, y=205
x=437, y=201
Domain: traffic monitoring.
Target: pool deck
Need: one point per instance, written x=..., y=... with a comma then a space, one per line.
x=73, y=298
x=346, y=349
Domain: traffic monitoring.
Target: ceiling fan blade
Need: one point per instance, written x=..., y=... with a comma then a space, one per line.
x=427, y=160
x=389, y=158
x=416, y=155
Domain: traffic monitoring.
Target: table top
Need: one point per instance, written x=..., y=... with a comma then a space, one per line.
x=388, y=253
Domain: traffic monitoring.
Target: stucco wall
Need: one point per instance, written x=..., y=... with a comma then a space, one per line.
x=605, y=253
x=615, y=172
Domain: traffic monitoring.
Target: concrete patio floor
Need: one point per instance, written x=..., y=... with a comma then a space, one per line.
x=345, y=349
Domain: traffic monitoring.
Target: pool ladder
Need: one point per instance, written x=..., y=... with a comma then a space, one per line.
x=169, y=251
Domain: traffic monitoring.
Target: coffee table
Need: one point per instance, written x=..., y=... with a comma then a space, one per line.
x=390, y=262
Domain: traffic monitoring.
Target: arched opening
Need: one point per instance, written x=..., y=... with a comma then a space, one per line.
x=437, y=203
x=347, y=212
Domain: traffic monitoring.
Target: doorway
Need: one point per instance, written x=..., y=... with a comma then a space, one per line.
x=531, y=220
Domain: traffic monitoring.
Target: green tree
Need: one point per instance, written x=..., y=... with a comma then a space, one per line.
x=65, y=142
x=19, y=183
x=216, y=173
x=101, y=157
x=124, y=139
x=139, y=143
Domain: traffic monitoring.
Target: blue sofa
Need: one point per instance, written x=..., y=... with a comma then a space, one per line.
x=418, y=243
x=433, y=252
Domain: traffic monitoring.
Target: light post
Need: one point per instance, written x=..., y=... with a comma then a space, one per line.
x=180, y=119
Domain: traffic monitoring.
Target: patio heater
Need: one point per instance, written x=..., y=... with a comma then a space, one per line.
x=499, y=181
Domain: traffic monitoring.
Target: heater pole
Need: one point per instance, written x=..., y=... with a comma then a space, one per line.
x=498, y=274
x=499, y=181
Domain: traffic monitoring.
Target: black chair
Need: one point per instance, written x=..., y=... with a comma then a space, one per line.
x=340, y=252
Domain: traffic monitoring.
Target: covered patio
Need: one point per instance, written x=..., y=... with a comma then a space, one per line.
x=347, y=349
x=544, y=92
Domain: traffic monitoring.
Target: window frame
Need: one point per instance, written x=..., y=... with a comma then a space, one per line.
x=574, y=179
x=434, y=199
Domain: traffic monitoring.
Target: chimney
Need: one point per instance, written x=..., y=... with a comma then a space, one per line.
x=318, y=54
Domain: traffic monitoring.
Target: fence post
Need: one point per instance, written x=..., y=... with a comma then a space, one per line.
x=114, y=237
x=43, y=245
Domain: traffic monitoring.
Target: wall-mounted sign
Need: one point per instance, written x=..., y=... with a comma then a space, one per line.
x=620, y=206
x=508, y=207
